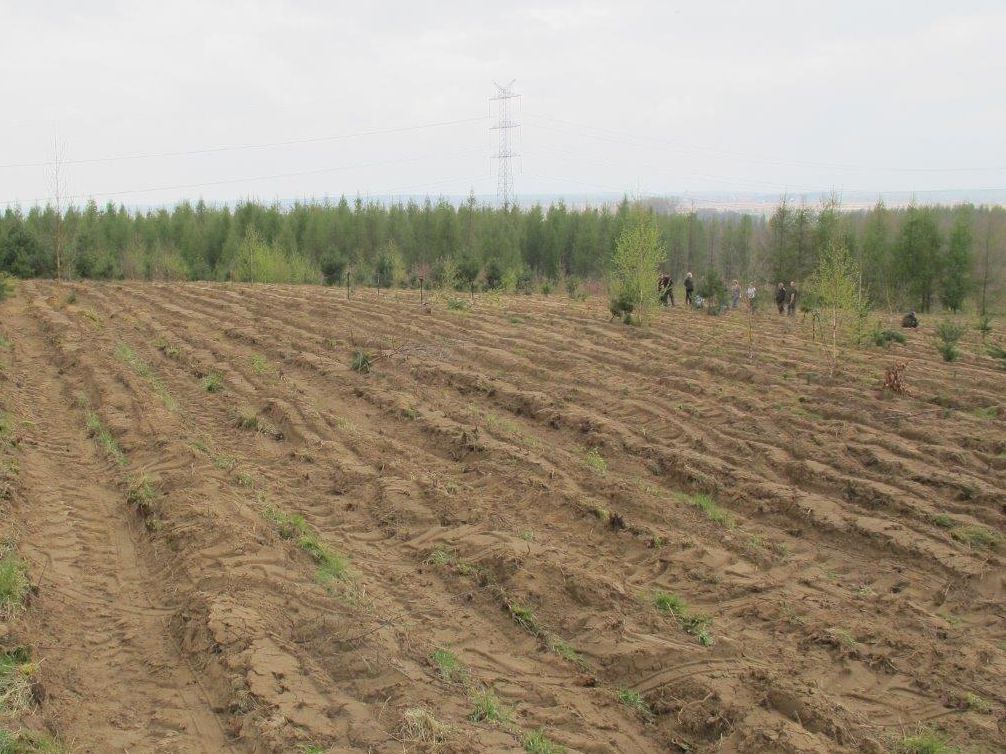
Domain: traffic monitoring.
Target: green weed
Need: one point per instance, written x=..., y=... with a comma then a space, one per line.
x=97, y=430
x=696, y=625
x=13, y=583
x=247, y=418
x=362, y=362
x=141, y=494
x=989, y=412
x=977, y=704
x=4, y=343
x=595, y=462
x=212, y=383
x=488, y=708
x=331, y=565
x=943, y=521
x=441, y=555
x=524, y=617
x=926, y=741
x=451, y=669
x=844, y=637
x=536, y=743
x=262, y=366
x=565, y=650
x=976, y=536
x=635, y=701
x=709, y=508
x=16, y=670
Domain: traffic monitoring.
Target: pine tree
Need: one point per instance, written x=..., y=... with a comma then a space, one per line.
x=956, y=280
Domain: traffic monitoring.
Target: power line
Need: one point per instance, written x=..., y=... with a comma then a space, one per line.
x=222, y=182
x=624, y=137
x=239, y=147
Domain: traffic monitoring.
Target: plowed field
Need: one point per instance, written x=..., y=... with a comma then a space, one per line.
x=662, y=539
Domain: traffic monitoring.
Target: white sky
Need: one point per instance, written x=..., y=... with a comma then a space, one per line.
x=649, y=97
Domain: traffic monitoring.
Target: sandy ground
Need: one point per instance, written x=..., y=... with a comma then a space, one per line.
x=515, y=485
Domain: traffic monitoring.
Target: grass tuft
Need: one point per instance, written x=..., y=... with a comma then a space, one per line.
x=709, y=508
x=926, y=741
x=451, y=669
x=13, y=584
x=16, y=671
x=488, y=708
x=441, y=555
x=524, y=617
x=565, y=650
x=976, y=536
x=977, y=703
x=635, y=701
x=212, y=383
x=536, y=743
x=696, y=625
x=595, y=462
x=97, y=430
x=362, y=362
x=331, y=565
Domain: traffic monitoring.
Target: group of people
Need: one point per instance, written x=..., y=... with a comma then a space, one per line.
x=785, y=298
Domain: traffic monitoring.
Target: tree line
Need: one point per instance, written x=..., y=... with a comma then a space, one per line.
x=915, y=257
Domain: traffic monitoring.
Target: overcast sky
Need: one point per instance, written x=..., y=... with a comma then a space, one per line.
x=643, y=97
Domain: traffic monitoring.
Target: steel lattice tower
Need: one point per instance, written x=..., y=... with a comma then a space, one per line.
x=501, y=108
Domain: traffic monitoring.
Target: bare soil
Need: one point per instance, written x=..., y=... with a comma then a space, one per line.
x=515, y=484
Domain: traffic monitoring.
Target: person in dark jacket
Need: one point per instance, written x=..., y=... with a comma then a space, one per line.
x=780, y=298
x=665, y=287
x=910, y=320
x=689, y=288
x=791, y=300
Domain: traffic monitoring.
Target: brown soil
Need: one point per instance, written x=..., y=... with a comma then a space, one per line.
x=514, y=484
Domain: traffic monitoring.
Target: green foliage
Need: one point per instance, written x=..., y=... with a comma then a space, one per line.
x=635, y=264
x=902, y=255
x=458, y=304
x=881, y=337
x=948, y=351
x=696, y=625
x=537, y=743
x=488, y=708
x=918, y=263
x=212, y=383
x=331, y=565
x=595, y=462
x=362, y=361
x=260, y=262
x=6, y=285
x=977, y=536
x=97, y=430
x=13, y=583
x=451, y=669
x=28, y=742
x=712, y=288
x=926, y=741
x=836, y=285
x=949, y=333
x=956, y=278
x=998, y=353
x=635, y=701
x=709, y=508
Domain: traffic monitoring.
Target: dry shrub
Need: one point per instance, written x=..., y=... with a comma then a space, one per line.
x=894, y=379
x=419, y=726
